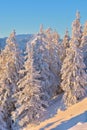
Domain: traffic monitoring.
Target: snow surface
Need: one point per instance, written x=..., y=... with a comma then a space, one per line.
x=74, y=118
x=80, y=126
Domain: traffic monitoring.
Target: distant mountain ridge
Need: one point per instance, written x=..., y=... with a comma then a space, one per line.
x=22, y=39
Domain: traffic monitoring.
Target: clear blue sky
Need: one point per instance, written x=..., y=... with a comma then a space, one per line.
x=26, y=15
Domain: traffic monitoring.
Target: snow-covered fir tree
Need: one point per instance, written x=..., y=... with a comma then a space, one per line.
x=52, y=39
x=74, y=78
x=3, y=98
x=32, y=96
x=77, y=29
x=41, y=28
x=13, y=60
x=84, y=36
x=42, y=58
x=65, y=44
x=66, y=39
x=57, y=43
x=84, y=44
x=10, y=64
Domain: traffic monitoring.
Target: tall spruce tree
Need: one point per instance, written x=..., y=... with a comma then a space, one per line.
x=84, y=44
x=53, y=45
x=77, y=30
x=10, y=64
x=66, y=39
x=84, y=36
x=3, y=98
x=65, y=44
x=74, y=78
x=32, y=97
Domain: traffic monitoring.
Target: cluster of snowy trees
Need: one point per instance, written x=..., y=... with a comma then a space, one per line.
x=49, y=66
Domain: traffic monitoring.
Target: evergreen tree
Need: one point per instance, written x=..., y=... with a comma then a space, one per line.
x=10, y=64
x=84, y=44
x=77, y=29
x=65, y=44
x=66, y=39
x=13, y=61
x=32, y=97
x=3, y=98
x=52, y=39
x=73, y=75
x=41, y=28
x=84, y=36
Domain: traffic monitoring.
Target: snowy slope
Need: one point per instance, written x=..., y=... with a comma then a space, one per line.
x=74, y=118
